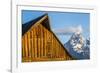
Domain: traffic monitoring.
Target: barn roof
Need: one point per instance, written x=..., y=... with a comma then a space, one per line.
x=28, y=25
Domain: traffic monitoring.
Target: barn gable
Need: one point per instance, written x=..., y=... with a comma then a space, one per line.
x=35, y=27
x=42, y=19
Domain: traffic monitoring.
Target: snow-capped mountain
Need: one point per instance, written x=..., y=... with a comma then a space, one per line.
x=78, y=47
x=87, y=48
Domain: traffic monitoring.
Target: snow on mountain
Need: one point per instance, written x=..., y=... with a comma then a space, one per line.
x=77, y=42
x=78, y=47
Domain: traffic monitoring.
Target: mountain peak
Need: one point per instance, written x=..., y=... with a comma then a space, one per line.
x=77, y=42
x=77, y=46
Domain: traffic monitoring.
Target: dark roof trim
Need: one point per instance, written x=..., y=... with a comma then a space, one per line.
x=28, y=25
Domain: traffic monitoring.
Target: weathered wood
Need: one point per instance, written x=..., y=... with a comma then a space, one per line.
x=23, y=50
x=40, y=44
x=26, y=49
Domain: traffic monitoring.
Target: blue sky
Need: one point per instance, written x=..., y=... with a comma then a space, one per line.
x=62, y=21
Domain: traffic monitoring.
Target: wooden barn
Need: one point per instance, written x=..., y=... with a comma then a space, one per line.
x=39, y=43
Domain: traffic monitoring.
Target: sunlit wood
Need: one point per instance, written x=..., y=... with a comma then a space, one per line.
x=40, y=44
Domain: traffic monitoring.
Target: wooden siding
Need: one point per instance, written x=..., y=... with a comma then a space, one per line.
x=39, y=44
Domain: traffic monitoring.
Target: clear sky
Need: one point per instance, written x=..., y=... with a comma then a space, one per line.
x=62, y=21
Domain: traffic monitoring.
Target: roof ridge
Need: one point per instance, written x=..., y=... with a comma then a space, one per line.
x=28, y=25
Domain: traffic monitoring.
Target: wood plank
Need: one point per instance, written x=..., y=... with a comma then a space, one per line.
x=45, y=40
x=54, y=45
x=29, y=45
x=41, y=40
x=57, y=48
x=31, y=42
x=39, y=43
x=51, y=46
x=35, y=43
x=23, y=48
x=26, y=49
x=53, y=52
